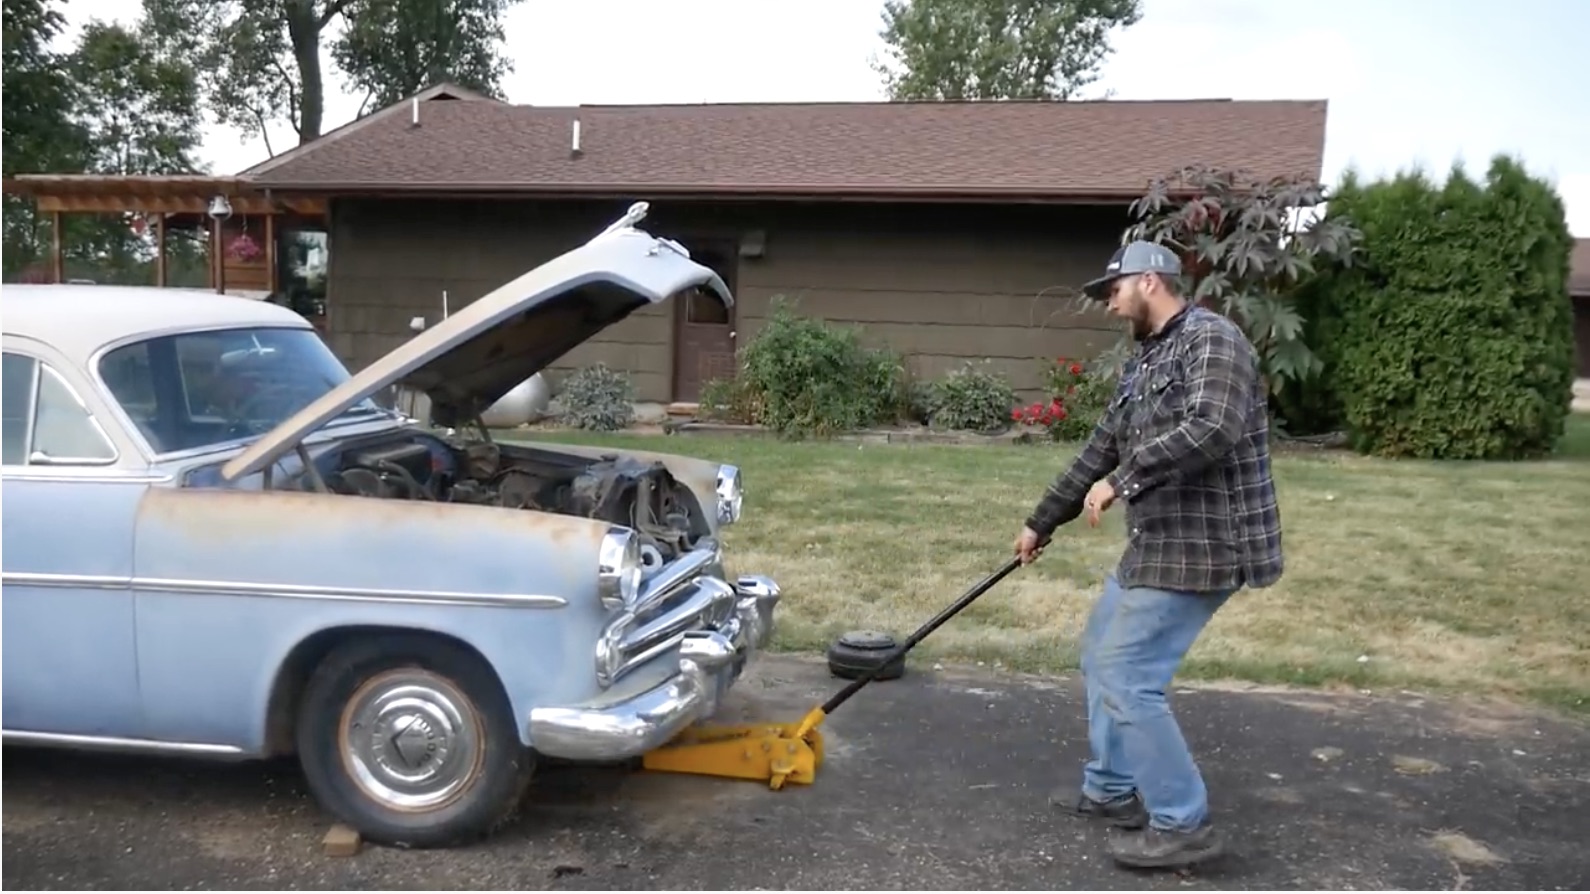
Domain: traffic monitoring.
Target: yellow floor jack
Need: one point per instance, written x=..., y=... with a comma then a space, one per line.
x=787, y=752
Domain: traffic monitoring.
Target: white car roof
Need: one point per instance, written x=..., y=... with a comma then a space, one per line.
x=78, y=320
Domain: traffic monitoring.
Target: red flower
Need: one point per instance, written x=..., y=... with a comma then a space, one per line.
x=1076, y=369
x=1015, y=414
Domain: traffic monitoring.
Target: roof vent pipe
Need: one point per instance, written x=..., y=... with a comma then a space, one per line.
x=574, y=139
x=414, y=117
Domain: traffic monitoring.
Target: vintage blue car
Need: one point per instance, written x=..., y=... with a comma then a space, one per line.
x=217, y=543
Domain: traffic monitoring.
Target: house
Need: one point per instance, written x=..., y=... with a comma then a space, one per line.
x=948, y=230
x=1579, y=292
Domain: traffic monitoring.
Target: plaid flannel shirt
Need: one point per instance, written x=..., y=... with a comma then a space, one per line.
x=1185, y=444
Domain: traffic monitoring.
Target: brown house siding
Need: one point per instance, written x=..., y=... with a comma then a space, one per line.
x=942, y=284
x=1581, y=333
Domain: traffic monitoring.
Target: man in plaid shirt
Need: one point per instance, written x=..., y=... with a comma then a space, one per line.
x=1185, y=445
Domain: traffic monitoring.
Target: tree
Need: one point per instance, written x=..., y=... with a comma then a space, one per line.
x=998, y=49
x=259, y=60
x=396, y=48
x=139, y=112
x=39, y=135
x=140, y=109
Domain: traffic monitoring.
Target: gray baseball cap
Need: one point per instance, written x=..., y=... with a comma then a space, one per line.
x=1133, y=257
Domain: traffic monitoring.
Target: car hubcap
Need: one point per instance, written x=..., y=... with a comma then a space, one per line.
x=411, y=740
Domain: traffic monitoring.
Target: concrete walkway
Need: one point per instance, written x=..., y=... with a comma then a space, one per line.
x=936, y=781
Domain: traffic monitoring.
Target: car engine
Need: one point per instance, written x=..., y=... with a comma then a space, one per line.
x=641, y=495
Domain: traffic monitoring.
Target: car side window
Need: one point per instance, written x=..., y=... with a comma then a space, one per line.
x=53, y=426
x=17, y=387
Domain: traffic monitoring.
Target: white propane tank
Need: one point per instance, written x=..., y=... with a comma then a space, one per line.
x=526, y=403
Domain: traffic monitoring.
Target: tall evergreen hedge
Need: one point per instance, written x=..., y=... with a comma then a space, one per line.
x=1451, y=335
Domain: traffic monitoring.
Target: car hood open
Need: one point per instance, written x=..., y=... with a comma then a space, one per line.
x=471, y=359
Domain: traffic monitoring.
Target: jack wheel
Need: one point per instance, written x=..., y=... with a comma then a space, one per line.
x=856, y=653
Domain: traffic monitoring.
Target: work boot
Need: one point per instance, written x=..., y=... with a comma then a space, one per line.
x=1152, y=848
x=1126, y=811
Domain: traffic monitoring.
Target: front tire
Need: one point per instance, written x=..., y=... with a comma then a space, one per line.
x=410, y=739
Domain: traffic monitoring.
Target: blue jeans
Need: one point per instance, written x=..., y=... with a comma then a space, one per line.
x=1134, y=641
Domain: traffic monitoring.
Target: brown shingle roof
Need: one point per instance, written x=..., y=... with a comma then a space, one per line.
x=1579, y=269
x=1030, y=149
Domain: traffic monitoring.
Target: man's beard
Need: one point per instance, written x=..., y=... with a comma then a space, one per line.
x=1139, y=324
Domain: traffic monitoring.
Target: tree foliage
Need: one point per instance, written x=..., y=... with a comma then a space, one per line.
x=113, y=104
x=260, y=60
x=1452, y=338
x=39, y=136
x=139, y=109
x=998, y=49
x=1247, y=245
x=396, y=48
x=37, y=92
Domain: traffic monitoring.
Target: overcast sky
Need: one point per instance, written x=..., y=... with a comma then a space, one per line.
x=1409, y=81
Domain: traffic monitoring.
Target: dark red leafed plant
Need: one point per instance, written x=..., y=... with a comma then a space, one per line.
x=1246, y=244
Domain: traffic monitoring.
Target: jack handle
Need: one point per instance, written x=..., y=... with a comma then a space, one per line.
x=954, y=609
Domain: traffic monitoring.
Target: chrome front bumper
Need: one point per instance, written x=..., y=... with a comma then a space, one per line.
x=710, y=661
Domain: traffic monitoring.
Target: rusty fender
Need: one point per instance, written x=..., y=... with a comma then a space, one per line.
x=295, y=540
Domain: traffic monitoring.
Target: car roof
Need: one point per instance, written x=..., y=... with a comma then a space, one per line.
x=78, y=320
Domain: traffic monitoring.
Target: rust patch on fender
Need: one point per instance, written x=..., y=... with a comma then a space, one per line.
x=222, y=516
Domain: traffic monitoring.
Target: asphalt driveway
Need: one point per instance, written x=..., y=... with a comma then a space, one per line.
x=934, y=781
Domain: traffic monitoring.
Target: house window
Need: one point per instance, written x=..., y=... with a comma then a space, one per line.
x=705, y=308
x=46, y=423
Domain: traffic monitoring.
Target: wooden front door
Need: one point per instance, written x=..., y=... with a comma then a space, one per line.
x=704, y=328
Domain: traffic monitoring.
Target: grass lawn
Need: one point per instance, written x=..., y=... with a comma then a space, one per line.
x=1467, y=577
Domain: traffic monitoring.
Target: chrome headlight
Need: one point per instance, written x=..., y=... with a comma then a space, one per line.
x=618, y=569
x=731, y=495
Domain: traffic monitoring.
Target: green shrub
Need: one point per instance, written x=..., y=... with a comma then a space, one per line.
x=811, y=378
x=729, y=400
x=1452, y=335
x=972, y=398
x=598, y=399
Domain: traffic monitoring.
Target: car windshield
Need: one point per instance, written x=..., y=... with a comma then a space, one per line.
x=201, y=389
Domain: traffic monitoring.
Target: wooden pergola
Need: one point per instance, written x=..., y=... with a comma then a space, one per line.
x=174, y=200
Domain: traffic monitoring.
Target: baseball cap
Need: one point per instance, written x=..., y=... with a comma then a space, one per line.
x=1133, y=257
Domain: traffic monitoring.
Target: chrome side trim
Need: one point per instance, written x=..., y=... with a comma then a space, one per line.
x=80, y=474
x=66, y=581
x=283, y=591
x=114, y=743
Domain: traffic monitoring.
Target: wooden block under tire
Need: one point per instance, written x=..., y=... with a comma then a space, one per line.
x=340, y=841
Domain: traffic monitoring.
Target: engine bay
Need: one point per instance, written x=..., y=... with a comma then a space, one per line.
x=639, y=494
